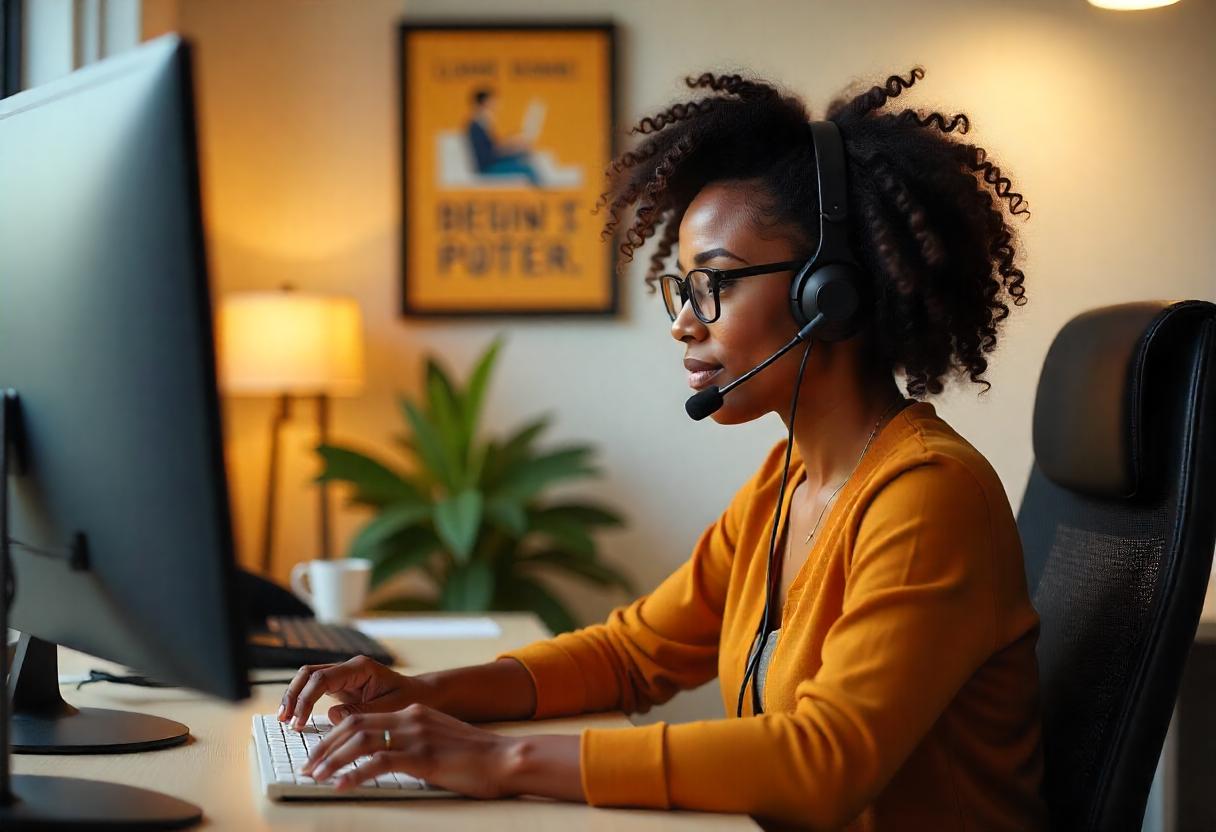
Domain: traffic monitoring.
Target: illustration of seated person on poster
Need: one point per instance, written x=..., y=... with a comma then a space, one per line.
x=503, y=157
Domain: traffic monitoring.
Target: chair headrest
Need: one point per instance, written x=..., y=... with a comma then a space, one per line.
x=1088, y=412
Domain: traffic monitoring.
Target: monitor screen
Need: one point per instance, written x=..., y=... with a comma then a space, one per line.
x=122, y=544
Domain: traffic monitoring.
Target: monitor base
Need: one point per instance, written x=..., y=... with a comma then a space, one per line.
x=39, y=803
x=94, y=731
x=43, y=723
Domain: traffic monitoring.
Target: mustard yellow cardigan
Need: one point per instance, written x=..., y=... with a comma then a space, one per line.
x=903, y=693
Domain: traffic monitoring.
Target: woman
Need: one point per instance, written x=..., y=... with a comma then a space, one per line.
x=900, y=689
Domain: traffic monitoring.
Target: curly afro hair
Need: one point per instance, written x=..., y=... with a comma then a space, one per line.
x=928, y=211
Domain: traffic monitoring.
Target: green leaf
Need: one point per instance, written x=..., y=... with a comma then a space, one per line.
x=470, y=586
x=476, y=463
x=525, y=436
x=521, y=441
x=437, y=381
x=446, y=414
x=523, y=593
x=587, y=514
x=475, y=393
x=570, y=534
x=375, y=483
x=407, y=548
x=491, y=461
x=594, y=571
x=417, y=553
x=507, y=515
x=516, y=449
x=406, y=603
x=391, y=521
x=457, y=520
x=429, y=445
x=527, y=478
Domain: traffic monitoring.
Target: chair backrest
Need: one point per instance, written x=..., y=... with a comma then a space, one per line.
x=1118, y=526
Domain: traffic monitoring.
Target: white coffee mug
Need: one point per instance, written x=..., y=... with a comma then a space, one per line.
x=335, y=589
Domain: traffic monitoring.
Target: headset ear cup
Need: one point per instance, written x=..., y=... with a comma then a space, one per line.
x=797, y=292
x=832, y=290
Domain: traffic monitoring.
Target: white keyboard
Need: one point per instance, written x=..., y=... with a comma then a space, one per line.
x=282, y=752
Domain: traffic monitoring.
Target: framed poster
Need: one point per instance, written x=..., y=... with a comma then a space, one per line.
x=506, y=130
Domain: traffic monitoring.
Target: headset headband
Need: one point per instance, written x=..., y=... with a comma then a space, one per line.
x=833, y=200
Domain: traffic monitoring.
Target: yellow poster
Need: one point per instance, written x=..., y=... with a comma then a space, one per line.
x=506, y=132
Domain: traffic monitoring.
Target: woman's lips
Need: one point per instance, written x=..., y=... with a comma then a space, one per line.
x=700, y=378
x=700, y=372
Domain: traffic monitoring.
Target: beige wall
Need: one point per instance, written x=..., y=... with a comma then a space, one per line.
x=1103, y=119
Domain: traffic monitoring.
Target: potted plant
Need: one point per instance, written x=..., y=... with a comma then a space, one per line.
x=471, y=511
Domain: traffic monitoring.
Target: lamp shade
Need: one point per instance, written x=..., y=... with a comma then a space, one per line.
x=1131, y=5
x=298, y=343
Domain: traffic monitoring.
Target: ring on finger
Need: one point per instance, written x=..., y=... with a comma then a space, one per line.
x=387, y=738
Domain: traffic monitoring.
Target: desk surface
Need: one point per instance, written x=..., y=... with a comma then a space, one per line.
x=216, y=768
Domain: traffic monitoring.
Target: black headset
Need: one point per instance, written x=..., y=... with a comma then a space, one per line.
x=829, y=288
x=831, y=282
x=826, y=295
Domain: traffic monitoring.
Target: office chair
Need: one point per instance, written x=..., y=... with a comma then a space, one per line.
x=1118, y=526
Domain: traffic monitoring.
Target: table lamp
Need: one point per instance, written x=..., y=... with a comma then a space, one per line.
x=290, y=344
x=1131, y=5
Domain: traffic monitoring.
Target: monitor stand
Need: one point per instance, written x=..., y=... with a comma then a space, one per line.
x=43, y=723
x=38, y=802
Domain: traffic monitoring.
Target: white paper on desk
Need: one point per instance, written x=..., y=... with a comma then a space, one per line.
x=429, y=627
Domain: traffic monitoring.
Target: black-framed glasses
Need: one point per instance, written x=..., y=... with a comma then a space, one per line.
x=701, y=287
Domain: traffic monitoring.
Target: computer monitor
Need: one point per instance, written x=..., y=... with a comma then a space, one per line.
x=118, y=528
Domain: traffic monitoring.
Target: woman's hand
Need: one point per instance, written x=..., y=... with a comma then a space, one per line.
x=422, y=742
x=361, y=684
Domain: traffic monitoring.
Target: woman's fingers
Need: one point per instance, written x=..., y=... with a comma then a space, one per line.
x=337, y=713
x=353, y=682
x=339, y=734
x=326, y=680
x=287, y=707
x=331, y=679
x=356, y=745
x=355, y=736
x=381, y=762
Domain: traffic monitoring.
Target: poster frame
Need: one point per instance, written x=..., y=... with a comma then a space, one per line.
x=406, y=28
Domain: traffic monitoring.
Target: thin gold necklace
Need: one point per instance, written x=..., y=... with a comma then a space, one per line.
x=828, y=502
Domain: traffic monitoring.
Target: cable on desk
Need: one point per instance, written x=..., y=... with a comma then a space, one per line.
x=144, y=682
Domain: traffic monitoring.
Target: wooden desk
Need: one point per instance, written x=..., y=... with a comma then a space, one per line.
x=216, y=768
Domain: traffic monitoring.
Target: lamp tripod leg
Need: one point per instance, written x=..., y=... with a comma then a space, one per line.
x=282, y=412
x=323, y=486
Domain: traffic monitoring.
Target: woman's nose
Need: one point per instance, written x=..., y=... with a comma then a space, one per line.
x=687, y=326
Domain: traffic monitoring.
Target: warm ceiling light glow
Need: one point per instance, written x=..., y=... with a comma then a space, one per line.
x=1131, y=5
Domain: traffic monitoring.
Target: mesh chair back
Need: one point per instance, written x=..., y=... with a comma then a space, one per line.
x=1118, y=525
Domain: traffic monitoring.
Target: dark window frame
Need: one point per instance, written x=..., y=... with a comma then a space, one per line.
x=10, y=47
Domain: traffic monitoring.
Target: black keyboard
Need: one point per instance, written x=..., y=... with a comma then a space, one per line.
x=291, y=641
